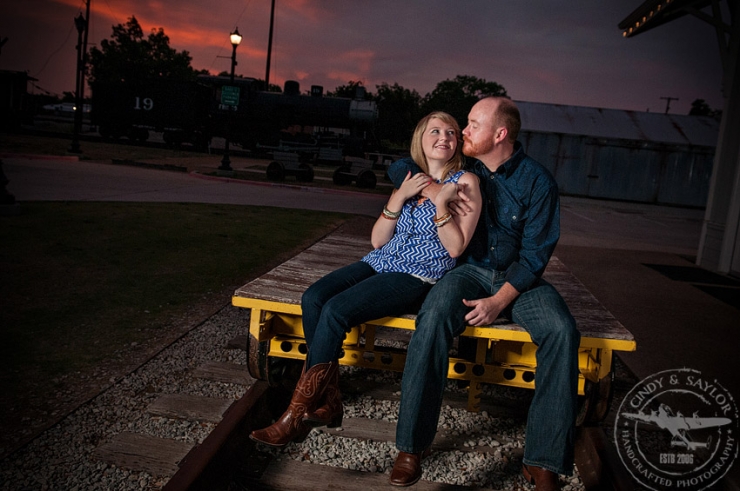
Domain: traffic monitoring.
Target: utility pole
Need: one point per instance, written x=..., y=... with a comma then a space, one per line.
x=82, y=25
x=269, y=48
x=668, y=102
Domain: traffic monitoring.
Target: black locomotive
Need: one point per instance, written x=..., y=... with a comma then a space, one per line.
x=196, y=111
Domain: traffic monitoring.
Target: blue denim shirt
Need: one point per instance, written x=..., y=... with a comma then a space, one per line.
x=519, y=225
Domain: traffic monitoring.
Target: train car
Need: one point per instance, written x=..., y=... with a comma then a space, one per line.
x=196, y=111
x=178, y=109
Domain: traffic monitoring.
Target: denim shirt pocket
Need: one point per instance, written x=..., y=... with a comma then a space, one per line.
x=511, y=216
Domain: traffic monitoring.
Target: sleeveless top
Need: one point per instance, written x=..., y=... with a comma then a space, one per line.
x=415, y=247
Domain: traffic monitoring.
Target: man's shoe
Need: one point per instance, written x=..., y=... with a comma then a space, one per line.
x=407, y=469
x=542, y=479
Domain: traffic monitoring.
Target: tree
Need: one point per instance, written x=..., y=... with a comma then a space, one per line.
x=352, y=90
x=457, y=96
x=128, y=55
x=398, y=113
x=700, y=108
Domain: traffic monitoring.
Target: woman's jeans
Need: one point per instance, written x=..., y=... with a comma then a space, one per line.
x=543, y=313
x=348, y=297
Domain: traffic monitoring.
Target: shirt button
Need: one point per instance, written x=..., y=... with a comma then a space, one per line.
x=491, y=176
x=493, y=248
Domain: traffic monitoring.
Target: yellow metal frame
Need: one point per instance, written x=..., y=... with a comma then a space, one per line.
x=503, y=356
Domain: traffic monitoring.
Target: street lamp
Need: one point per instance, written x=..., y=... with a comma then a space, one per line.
x=81, y=24
x=235, y=39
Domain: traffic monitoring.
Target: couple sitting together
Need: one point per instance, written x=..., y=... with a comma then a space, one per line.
x=471, y=242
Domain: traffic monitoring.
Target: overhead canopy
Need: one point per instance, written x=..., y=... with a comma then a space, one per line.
x=654, y=13
x=719, y=247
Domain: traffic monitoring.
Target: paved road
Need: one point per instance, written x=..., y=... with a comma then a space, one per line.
x=585, y=222
x=61, y=180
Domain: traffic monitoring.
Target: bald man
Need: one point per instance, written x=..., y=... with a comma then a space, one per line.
x=499, y=273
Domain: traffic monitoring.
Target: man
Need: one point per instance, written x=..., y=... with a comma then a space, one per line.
x=500, y=272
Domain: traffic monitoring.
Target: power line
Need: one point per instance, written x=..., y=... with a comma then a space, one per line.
x=48, y=59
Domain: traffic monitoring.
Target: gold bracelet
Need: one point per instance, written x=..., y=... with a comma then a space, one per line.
x=443, y=220
x=391, y=215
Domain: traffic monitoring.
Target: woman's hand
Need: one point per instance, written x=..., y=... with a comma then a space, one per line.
x=411, y=186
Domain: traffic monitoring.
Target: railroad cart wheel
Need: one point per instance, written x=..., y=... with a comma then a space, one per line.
x=257, y=358
x=594, y=405
x=276, y=171
x=602, y=398
x=584, y=405
x=366, y=179
x=275, y=371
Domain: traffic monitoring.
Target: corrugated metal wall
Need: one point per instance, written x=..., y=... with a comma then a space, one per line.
x=669, y=160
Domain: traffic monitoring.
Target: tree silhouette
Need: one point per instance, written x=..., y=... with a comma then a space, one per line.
x=129, y=55
x=398, y=113
x=458, y=95
x=700, y=108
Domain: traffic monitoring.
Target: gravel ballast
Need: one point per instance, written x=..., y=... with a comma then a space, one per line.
x=63, y=456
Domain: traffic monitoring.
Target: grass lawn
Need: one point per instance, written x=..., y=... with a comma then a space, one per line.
x=82, y=280
x=54, y=145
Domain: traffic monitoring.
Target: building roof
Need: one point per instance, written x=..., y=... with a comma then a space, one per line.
x=619, y=124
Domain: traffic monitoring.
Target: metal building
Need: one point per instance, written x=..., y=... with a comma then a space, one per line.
x=624, y=155
x=719, y=247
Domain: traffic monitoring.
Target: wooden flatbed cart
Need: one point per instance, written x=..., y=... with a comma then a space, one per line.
x=504, y=354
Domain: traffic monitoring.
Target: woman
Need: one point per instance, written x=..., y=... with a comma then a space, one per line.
x=416, y=241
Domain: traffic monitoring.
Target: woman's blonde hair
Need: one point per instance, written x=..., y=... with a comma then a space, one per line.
x=417, y=151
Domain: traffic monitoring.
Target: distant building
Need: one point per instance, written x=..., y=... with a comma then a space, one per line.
x=15, y=105
x=623, y=155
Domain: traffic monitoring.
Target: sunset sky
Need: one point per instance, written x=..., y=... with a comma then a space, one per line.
x=563, y=52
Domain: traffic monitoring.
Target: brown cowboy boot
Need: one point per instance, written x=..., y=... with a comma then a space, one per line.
x=542, y=479
x=330, y=412
x=290, y=427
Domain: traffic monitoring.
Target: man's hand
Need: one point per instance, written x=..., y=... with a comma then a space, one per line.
x=460, y=206
x=486, y=310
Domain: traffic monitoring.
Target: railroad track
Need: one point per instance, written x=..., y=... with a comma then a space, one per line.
x=182, y=420
x=471, y=451
x=484, y=451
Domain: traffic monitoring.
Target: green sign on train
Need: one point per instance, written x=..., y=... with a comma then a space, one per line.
x=229, y=95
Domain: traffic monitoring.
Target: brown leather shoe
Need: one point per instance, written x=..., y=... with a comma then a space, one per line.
x=407, y=469
x=542, y=479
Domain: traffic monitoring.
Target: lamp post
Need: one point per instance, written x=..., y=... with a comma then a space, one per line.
x=235, y=39
x=81, y=24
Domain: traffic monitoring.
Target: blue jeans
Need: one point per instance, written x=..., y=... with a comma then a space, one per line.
x=350, y=296
x=543, y=313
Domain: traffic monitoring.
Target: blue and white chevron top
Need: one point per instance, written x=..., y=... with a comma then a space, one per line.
x=415, y=247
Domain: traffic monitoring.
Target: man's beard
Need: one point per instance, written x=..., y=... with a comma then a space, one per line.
x=473, y=150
